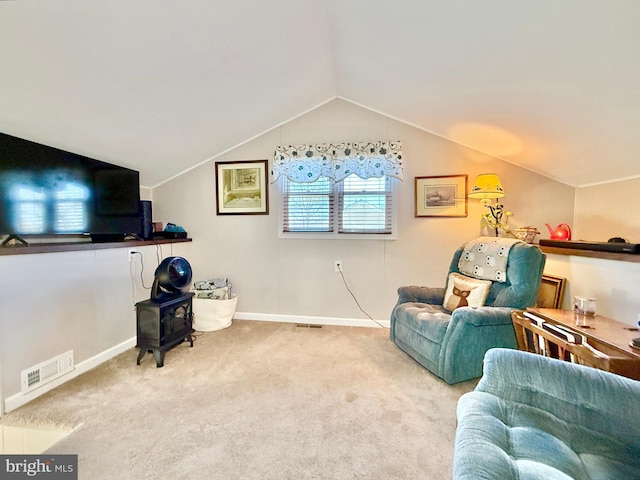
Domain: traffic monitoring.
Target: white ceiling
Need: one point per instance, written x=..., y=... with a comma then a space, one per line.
x=163, y=85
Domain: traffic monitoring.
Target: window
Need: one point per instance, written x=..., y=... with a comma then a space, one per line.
x=308, y=207
x=364, y=205
x=338, y=190
x=352, y=206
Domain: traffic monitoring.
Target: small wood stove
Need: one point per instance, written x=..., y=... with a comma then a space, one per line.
x=162, y=326
x=165, y=320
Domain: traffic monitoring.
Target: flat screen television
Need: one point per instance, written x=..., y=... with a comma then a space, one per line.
x=46, y=191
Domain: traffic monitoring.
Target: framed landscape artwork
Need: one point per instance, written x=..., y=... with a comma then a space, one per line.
x=241, y=188
x=441, y=196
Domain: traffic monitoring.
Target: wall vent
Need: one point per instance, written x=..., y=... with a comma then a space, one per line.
x=46, y=372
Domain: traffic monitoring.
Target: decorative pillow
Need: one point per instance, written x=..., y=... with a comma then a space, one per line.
x=465, y=291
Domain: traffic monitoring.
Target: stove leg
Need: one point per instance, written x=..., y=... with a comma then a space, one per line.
x=140, y=355
x=189, y=338
x=159, y=356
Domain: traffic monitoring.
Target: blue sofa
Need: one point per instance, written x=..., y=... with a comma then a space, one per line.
x=452, y=344
x=533, y=417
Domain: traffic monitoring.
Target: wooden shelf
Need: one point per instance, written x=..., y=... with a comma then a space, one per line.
x=623, y=257
x=78, y=246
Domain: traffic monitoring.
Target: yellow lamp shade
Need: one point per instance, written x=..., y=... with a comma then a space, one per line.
x=487, y=186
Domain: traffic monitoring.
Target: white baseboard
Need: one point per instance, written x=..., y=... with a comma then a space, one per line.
x=344, y=322
x=20, y=399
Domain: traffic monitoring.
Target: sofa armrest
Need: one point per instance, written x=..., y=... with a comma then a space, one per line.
x=431, y=295
x=482, y=316
x=471, y=332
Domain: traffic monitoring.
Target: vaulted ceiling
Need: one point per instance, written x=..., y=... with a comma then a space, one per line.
x=163, y=85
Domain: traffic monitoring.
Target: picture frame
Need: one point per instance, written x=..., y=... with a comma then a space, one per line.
x=551, y=292
x=241, y=188
x=441, y=196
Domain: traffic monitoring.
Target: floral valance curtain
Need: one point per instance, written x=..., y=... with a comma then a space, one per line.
x=306, y=163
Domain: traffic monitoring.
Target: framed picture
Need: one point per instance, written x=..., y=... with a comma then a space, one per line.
x=441, y=196
x=241, y=188
x=551, y=292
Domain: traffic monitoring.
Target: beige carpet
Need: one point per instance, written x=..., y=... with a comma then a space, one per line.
x=259, y=400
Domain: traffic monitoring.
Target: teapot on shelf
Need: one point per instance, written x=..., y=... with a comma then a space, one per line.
x=561, y=232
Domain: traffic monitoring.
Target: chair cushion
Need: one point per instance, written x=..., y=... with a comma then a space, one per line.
x=533, y=417
x=498, y=438
x=463, y=291
x=430, y=321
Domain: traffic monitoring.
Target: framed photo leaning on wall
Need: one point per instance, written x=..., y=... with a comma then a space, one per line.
x=551, y=292
x=241, y=188
x=441, y=196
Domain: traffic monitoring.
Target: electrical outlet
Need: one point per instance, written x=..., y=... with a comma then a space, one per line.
x=337, y=266
x=132, y=256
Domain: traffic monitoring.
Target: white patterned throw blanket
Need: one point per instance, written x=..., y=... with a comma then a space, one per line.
x=486, y=258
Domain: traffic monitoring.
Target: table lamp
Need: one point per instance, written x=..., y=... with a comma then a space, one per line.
x=487, y=187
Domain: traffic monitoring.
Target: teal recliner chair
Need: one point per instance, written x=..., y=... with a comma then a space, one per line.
x=452, y=345
x=533, y=417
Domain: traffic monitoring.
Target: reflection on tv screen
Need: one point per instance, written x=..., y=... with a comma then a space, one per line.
x=49, y=201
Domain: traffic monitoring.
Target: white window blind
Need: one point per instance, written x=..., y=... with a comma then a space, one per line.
x=353, y=206
x=365, y=205
x=308, y=207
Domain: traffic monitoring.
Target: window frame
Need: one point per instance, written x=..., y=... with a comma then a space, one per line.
x=335, y=234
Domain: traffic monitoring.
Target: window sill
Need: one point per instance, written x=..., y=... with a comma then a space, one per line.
x=337, y=236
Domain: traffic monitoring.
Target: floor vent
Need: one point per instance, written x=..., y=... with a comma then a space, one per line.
x=307, y=325
x=45, y=372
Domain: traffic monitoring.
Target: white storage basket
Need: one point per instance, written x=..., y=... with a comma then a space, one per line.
x=210, y=315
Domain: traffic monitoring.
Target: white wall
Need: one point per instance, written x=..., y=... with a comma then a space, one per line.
x=81, y=301
x=604, y=211
x=145, y=193
x=608, y=210
x=287, y=277
x=612, y=283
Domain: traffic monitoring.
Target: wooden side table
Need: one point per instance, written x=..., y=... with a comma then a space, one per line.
x=606, y=335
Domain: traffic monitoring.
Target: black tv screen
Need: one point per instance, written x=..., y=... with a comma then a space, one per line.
x=47, y=191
